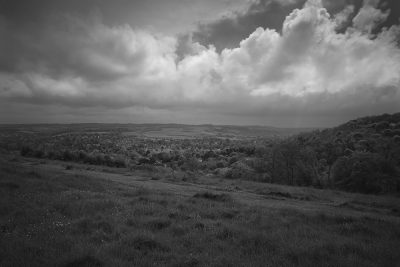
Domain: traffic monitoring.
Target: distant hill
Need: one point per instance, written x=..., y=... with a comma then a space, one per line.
x=179, y=131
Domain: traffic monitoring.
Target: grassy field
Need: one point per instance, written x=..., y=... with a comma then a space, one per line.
x=57, y=215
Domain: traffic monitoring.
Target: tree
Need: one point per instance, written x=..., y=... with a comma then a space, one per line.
x=365, y=172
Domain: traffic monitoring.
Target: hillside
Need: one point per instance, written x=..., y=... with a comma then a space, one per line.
x=53, y=214
x=361, y=155
x=182, y=195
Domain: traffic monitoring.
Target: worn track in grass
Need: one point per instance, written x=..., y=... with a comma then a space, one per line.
x=328, y=205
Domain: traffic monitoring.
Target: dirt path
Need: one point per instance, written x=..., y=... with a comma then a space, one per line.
x=185, y=189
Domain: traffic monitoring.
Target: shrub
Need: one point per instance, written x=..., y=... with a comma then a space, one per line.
x=69, y=167
x=220, y=164
x=145, y=243
x=191, y=164
x=51, y=155
x=119, y=162
x=212, y=196
x=68, y=155
x=357, y=136
x=26, y=151
x=38, y=154
x=388, y=132
x=164, y=157
x=84, y=261
x=158, y=224
x=144, y=161
x=233, y=160
x=381, y=125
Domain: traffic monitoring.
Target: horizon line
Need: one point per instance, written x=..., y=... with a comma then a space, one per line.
x=172, y=123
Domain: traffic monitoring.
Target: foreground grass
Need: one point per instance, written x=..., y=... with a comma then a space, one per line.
x=50, y=218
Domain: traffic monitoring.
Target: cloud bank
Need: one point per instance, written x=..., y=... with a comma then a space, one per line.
x=307, y=69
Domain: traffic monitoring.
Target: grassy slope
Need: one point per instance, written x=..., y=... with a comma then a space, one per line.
x=50, y=216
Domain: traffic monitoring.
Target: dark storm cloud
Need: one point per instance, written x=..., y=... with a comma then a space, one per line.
x=393, y=7
x=228, y=31
x=70, y=46
x=168, y=16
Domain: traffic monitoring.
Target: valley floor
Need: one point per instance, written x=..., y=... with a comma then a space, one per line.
x=58, y=214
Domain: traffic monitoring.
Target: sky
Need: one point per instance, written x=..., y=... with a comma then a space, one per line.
x=286, y=63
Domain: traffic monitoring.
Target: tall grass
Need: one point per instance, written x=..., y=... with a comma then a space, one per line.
x=59, y=219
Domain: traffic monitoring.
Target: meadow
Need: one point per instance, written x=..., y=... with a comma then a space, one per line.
x=54, y=213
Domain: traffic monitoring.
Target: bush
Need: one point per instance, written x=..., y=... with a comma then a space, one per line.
x=68, y=155
x=26, y=151
x=144, y=243
x=212, y=196
x=191, y=164
x=84, y=261
x=51, y=155
x=119, y=162
x=164, y=157
x=357, y=136
x=82, y=156
x=388, y=133
x=38, y=154
x=220, y=164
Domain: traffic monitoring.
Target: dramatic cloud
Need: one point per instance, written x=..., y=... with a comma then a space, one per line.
x=306, y=69
x=369, y=16
x=228, y=31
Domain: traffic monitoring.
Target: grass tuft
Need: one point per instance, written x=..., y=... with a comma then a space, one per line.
x=145, y=243
x=214, y=197
x=9, y=185
x=158, y=224
x=86, y=261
